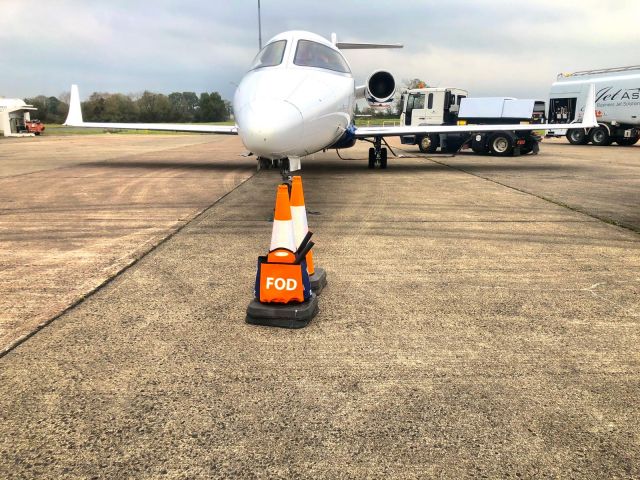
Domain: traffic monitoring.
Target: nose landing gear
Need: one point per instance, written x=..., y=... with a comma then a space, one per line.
x=282, y=164
x=377, y=154
x=264, y=163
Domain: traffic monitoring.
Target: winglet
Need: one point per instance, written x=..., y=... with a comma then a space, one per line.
x=589, y=118
x=74, y=118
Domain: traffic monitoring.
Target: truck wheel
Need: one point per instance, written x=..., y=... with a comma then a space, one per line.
x=531, y=146
x=428, y=143
x=501, y=144
x=383, y=158
x=372, y=157
x=600, y=137
x=627, y=142
x=577, y=136
x=452, y=146
x=479, y=146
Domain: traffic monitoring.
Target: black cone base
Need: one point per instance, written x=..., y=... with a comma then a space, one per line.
x=318, y=280
x=291, y=315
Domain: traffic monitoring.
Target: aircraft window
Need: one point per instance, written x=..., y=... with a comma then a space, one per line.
x=313, y=54
x=270, y=56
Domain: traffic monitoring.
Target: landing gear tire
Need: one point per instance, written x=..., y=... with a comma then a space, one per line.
x=428, y=143
x=377, y=154
x=627, y=142
x=501, y=144
x=600, y=137
x=577, y=136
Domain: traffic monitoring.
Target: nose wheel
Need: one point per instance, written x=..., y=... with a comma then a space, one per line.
x=377, y=154
x=285, y=171
x=282, y=164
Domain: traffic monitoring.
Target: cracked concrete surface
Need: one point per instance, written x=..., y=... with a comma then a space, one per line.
x=468, y=330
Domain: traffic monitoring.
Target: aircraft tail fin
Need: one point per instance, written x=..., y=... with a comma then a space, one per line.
x=589, y=116
x=361, y=46
x=74, y=118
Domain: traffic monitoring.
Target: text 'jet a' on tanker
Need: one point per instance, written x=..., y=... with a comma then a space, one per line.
x=298, y=98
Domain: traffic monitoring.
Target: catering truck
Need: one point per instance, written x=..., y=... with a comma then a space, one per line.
x=617, y=105
x=452, y=106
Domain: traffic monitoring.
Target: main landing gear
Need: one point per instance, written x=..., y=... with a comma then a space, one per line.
x=377, y=154
x=282, y=164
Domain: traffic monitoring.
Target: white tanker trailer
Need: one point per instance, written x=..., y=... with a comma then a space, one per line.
x=617, y=105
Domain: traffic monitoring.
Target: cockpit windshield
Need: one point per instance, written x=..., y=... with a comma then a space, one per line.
x=313, y=54
x=270, y=56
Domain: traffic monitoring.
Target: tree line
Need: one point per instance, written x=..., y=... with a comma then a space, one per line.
x=147, y=107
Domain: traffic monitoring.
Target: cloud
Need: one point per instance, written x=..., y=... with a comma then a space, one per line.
x=486, y=46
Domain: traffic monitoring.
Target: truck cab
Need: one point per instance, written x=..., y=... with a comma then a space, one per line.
x=431, y=106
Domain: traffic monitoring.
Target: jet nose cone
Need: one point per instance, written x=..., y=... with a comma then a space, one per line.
x=271, y=128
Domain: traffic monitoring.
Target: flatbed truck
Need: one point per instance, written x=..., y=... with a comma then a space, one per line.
x=453, y=106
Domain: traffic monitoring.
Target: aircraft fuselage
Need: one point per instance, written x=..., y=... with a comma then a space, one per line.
x=297, y=106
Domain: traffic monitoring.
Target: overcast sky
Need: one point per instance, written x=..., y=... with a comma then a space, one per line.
x=489, y=47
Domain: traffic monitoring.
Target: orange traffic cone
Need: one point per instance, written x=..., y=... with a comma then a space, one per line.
x=282, y=294
x=317, y=276
x=299, y=216
x=282, y=236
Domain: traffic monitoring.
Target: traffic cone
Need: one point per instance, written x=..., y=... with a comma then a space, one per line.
x=283, y=295
x=282, y=236
x=317, y=276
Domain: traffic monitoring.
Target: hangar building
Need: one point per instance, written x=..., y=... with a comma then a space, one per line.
x=13, y=113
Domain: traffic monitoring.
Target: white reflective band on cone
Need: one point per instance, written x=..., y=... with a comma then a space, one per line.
x=282, y=235
x=300, y=226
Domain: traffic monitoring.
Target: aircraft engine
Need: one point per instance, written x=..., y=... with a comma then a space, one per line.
x=380, y=89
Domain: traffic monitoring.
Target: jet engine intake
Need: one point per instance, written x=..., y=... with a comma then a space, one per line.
x=380, y=88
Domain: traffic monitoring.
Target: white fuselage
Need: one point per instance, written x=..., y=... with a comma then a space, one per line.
x=288, y=110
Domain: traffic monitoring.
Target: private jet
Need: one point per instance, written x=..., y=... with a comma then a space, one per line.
x=299, y=97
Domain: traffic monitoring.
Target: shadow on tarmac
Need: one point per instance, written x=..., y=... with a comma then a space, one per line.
x=336, y=165
x=230, y=165
x=345, y=166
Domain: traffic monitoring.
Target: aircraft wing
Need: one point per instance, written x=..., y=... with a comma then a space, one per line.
x=361, y=46
x=74, y=119
x=589, y=120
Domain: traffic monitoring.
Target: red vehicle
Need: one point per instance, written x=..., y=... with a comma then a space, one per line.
x=34, y=126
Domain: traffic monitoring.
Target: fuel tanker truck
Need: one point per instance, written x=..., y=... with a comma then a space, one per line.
x=617, y=105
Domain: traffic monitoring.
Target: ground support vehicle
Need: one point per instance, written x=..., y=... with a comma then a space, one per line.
x=617, y=105
x=451, y=106
x=33, y=126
